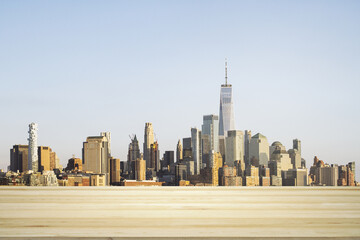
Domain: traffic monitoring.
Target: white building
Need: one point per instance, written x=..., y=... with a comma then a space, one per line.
x=259, y=150
x=33, y=148
x=234, y=147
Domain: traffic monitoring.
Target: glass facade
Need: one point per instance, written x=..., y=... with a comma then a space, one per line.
x=226, y=115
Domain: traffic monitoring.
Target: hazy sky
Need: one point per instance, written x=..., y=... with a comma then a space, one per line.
x=81, y=67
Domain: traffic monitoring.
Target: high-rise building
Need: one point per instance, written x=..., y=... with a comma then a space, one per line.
x=179, y=151
x=168, y=159
x=226, y=108
x=33, y=148
x=196, y=149
x=140, y=169
x=19, y=158
x=247, y=140
x=216, y=162
x=133, y=154
x=44, y=158
x=148, y=140
x=114, y=171
x=210, y=128
x=295, y=158
x=108, y=137
x=187, y=151
x=96, y=157
x=259, y=150
x=352, y=168
x=234, y=147
x=297, y=145
x=154, y=157
x=54, y=161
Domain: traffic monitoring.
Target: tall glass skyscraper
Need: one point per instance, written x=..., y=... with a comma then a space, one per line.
x=226, y=115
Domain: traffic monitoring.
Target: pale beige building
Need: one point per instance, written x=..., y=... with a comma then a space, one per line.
x=234, y=147
x=98, y=180
x=140, y=169
x=148, y=140
x=96, y=157
x=259, y=150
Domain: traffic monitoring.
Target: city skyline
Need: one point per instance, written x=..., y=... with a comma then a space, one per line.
x=316, y=102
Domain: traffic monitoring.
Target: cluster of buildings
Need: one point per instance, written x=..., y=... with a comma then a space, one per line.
x=214, y=155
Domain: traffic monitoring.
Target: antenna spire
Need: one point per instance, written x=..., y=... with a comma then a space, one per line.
x=226, y=71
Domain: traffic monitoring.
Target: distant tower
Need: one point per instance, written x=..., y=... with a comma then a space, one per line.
x=247, y=140
x=226, y=115
x=179, y=151
x=108, y=137
x=259, y=150
x=210, y=128
x=196, y=149
x=235, y=148
x=33, y=148
x=133, y=155
x=148, y=140
x=297, y=145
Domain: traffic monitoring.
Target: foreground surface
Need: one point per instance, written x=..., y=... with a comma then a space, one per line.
x=216, y=212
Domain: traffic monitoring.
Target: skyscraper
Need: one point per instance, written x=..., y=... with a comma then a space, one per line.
x=148, y=140
x=210, y=127
x=95, y=155
x=33, y=148
x=154, y=156
x=226, y=115
x=179, y=151
x=210, y=137
x=297, y=145
x=235, y=148
x=133, y=154
x=108, y=137
x=247, y=139
x=259, y=150
x=196, y=149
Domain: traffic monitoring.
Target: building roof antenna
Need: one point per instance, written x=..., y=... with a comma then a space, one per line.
x=226, y=72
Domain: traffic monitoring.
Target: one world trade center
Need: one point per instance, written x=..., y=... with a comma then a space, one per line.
x=226, y=116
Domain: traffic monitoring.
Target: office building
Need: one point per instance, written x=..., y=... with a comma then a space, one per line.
x=297, y=145
x=54, y=161
x=259, y=150
x=295, y=177
x=96, y=157
x=19, y=158
x=140, y=169
x=180, y=172
x=133, y=154
x=154, y=157
x=148, y=140
x=295, y=158
x=234, y=147
x=44, y=158
x=226, y=113
x=210, y=137
x=247, y=139
x=168, y=160
x=187, y=151
x=115, y=171
x=179, y=151
x=196, y=149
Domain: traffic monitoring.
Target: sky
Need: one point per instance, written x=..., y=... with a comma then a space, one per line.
x=78, y=68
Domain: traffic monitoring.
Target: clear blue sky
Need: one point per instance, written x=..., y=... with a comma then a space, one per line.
x=81, y=67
